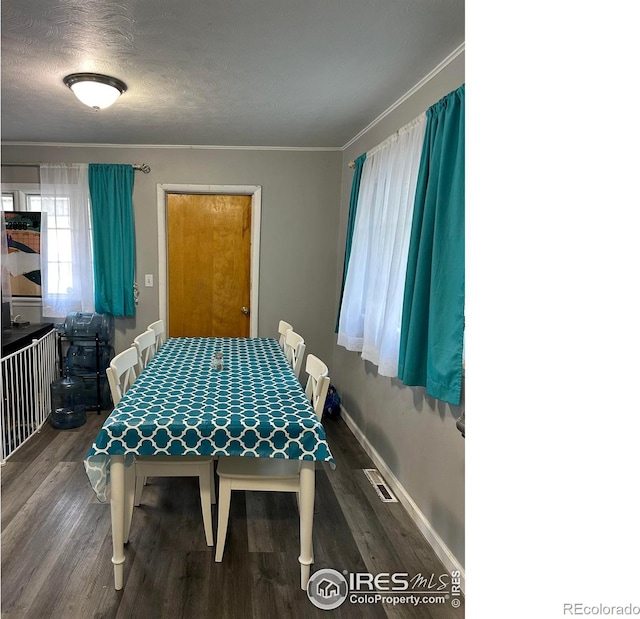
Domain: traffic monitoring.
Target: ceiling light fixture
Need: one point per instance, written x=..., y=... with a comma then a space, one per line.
x=95, y=90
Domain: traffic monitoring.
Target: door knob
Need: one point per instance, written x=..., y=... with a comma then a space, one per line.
x=245, y=310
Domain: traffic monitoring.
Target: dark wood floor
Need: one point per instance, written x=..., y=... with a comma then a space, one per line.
x=56, y=542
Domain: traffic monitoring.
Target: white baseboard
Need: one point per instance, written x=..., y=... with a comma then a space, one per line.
x=442, y=551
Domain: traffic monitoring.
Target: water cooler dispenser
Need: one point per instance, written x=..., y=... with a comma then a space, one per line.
x=88, y=355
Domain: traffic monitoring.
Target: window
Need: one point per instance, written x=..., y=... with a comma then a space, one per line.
x=403, y=301
x=56, y=230
x=58, y=241
x=7, y=201
x=371, y=313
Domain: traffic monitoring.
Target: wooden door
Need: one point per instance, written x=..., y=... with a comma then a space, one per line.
x=209, y=264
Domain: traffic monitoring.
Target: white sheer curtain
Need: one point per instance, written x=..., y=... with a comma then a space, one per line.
x=371, y=313
x=68, y=257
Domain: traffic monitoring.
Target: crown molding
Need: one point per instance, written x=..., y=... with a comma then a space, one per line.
x=173, y=146
x=427, y=78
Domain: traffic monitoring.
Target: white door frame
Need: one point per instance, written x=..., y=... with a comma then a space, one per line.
x=255, y=191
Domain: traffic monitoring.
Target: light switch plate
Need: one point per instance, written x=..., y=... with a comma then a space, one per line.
x=148, y=280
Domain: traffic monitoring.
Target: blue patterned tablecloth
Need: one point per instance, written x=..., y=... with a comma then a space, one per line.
x=181, y=405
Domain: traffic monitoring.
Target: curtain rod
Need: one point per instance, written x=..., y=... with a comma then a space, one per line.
x=352, y=164
x=142, y=167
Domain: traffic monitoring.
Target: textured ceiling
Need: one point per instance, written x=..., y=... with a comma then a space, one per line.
x=296, y=73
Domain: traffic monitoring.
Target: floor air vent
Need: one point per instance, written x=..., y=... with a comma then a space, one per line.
x=380, y=486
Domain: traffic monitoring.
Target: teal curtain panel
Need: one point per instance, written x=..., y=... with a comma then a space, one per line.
x=111, y=188
x=353, y=207
x=433, y=309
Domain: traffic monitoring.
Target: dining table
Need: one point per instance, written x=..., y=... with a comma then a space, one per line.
x=210, y=396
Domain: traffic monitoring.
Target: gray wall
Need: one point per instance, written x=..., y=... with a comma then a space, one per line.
x=414, y=434
x=300, y=209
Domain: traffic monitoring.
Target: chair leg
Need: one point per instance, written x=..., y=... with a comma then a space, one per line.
x=140, y=483
x=205, y=501
x=213, y=484
x=307, y=497
x=298, y=504
x=224, y=503
x=129, y=489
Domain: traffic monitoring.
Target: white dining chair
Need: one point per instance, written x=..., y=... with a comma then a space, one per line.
x=269, y=474
x=158, y=328
x=145, y=345
x=121, y=374
x=283, y=327
x=294, y=348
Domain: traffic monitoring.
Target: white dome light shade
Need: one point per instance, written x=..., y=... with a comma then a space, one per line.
x=95, y=90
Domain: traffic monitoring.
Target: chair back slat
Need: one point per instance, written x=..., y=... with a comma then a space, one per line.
x=145, y=344
x=158, y=328
x=294, y=348
x=317, y=384
x=283, y=327
x=121, y=373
